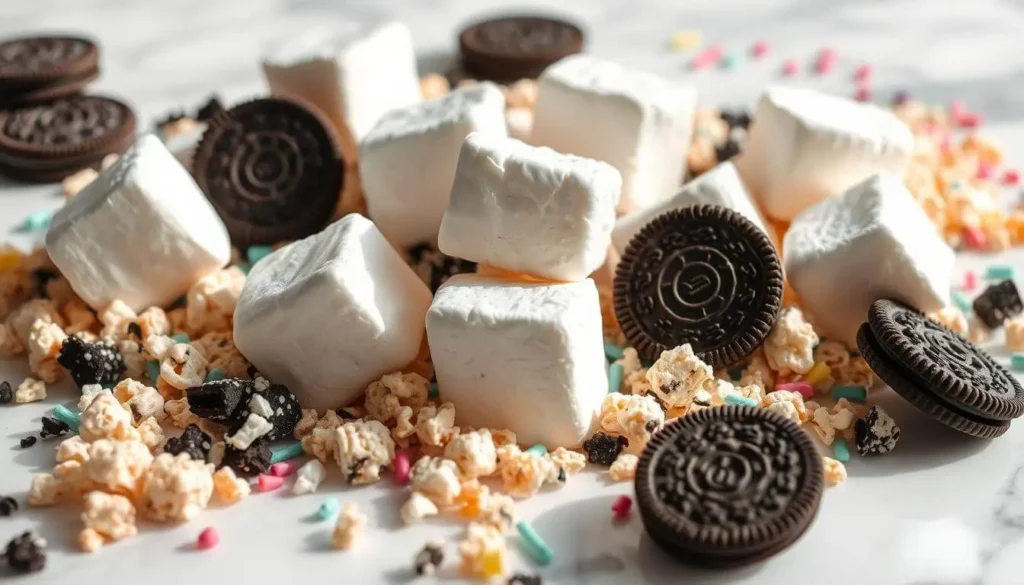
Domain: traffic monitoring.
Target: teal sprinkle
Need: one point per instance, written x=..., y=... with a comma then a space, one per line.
x=728, y=62
x=291, y=451
x=739, y=401
x=841, y=449
x=181, y=338
x=961, y=301
x=612, y=351
x=956, y=184
x=39, y=220
x=328, y=509
x=615, y=373
x=736, y=373
x=153, y=370
x=64, y=415
x=434, y=391
x=998, y=272
x=538, y=450
x=256, y=253
x=1017, y=362
x=534, y=545
x=244, y=267
x=854, y=393
x=214, y=375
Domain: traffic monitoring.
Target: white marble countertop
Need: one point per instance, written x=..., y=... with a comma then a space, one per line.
x=941, y=509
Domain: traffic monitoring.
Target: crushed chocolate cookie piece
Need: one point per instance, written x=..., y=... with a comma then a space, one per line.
x=603, y=448
x=8, y=506
x=26, y=553
x=6, y=393
x=91, y=363
x=53, y=428
x=28, y=441
x=252, y=461
x=221, y=401
x=429, y=558
x=211, y=108
x=192, y=441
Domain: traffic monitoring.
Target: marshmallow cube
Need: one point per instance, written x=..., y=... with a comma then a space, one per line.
x=408, y=160
x=527, y=357
x=719, y=186
x=142, y=232
x=530, y=210
x=352, y=76
x=637, y=122
x=872, y=242
x=327, y=315
x=805, y=146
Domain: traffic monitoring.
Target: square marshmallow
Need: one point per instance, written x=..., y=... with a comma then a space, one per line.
x=637, y=122
x=527, y=357
x=719, y=186
x=871, y=242
x=805, y=146
x=329, y=314
x=530, y=210
x=353, y=77
x=142, y=232
x=407, y=162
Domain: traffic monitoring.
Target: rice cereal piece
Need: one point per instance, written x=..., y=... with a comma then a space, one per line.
x=44, y=344
x=143, y=401
x=1014, y=333
x=677, y=376
x=857, y=373
x=363, y=449
x=435, y=426
x=219, y=349
x=634, y=374
x=321, y=443
x=156, y=347
x=176, y=488
x=112, y=516
x=25, y=317
x=953, y=318
x=758, y=372
x=183, y=367
x=571, y=462
x=131, y=355
x=499, y=511
x=118, y=466
x=635, y=417
x=89, y=540
x=153, y=321
x=523, y=473
x=385, y=397
x=211, y=300
x=977, y=332
x=43, y=491
x=30, y=390
x=306, y=423
x=436, y=478
x=151, y=434
x=433, y=86
x=416, y=508
x=228, y=488
x=180, y=413
x=789, y=347
x=835, y=471
x=624, y=467
x=404, y=427
x=483, y=551
x=309, y=477
x=89, y=393
x=351, y=523
x=832, y=353
x=73, y=449
x=72, y=480
x=116, y=318
x=503, y=438
x=473, y=453
x=826, y=423
x=788, y=404
x=105, y=418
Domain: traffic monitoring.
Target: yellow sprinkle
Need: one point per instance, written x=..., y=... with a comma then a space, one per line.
x=491, y=563
x=819, y=372
x=685, y=40
x=9, y=260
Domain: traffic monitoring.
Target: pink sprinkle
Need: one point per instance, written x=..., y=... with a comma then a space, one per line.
x=790, y=67
x=863, y=94
x=863, y=73
x=621, y=507
x=759, y=49
x=827, y=59
x=1011, y=177
x=946, y=142
x=284, y=468
x=985, y=170
x=970, y=280
x=707, y=57
x=266, y=483
x=956, y=108
x=402, y=466
x=970, y=119
x=975, y=238
x=208, y=538
x=804, y=388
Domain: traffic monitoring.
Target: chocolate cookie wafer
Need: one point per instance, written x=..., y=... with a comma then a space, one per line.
x=729, y=486
x=939, y=372
x=35, y=69
x=516, y=47
x=272, y=170
x=703, y=275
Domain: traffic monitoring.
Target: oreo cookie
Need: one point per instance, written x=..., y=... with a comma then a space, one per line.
x=703, y=275
x=50, y=141
x=939, y=372
x=516, y=47
x=729, y=486
x=272, y=170
x=37, y=69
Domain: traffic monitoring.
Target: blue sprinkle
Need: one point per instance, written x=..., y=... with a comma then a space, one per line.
x=434, y=391
x=39, y=220
x=998, y=272
x=287, y=452
x=256, y=253
x=64, y=415
x=153, y=370
x=961, y=301
x=612, y=351
x=214, y=375
x=728, y=62
x=244, y=267
x=181, y=338
x=841, y=449
x=851, y=392
x=538, y=449
x=615, y=373
x=1017, y=362
x=328, y=509
x=737, y=400
x=534, y=545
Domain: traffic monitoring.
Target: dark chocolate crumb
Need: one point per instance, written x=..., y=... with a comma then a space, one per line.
x=53, y=428
x=345, y=414
x=651, y=427
x=524, y=579
x=357, y=467
x=999, y=302
x=220, y=401
x=876, y=433
x=135, y=330
x=562, y=477
x=603, y=449
x=287, y=411
x=252, y=461
x=26, y=553
x=429, y=559
x=28, y=441
x=738, y=119
x=8, y=506
x=91, y=363
x=211, y=108
x=727, y=150
x=6, y=393
x=193, y=441
x=171, y=117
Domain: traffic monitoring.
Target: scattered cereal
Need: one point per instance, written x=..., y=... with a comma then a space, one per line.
x=624, y=467
x=437, y=478
x=429, y=558
x=309, y=477
x=416, y=508
x=176, y=488
x=677, y=376
x=30, y=390
x=835, y=471
x=351, y=523
x=111, y=516
x=227, y=487
x=433, y=86
x=363, y=448
x=523, y=473
x=473, y=452
x=789, y=348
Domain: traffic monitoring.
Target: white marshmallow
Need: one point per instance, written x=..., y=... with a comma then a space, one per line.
x=142, y=232
x=637, y=122
x=872, y=242
x=805, y=146
x=529, y=209
x=352, y=76
x=719, y=186
x=327, y=315
x=408, y=160
x=521, y=356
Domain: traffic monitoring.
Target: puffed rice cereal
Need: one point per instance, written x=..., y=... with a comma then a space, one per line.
x=116, y=318
x=134, y=360
x=624, y=467
x=73, y=449
x=44, y=344
x=118, y=466
x=219, y=349
x=473, y=453
x=351, y=523
x=111, y=516
x=634, y=417
x=634, y=374
x=1014, y=333
x=835, y=471
x=363, y=448
x=436, y=478
x=483, y=551
x=180, y=413
x=43, y=491
x=758, y=372
x=571, y=462
x=211, y=300
x=229, y=488
x=89, y=540
x=143, y=401
x=105, y=418
x=953, y=318
x=840, y=418
x=386, y=397
x=176, y=488
x=309, y=477
x=789, y=348
x=677, y=376
x=435, y=426
x=151, y=434
x=788, y=404
x=306, y=424
x=416, y=508
x=183, y=367
x=30, y=390
x=522, y=473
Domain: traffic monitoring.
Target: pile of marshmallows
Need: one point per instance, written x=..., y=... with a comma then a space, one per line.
x=518, y=345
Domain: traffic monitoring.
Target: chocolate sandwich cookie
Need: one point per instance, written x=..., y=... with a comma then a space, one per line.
x=36, y=69
x=728, y=486
x=703, y=275
x=516, y=47
x=272, y=170
x=50, y=141
x=939, y=372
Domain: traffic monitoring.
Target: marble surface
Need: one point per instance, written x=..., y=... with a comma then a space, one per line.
x=941, y=509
